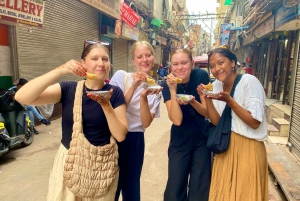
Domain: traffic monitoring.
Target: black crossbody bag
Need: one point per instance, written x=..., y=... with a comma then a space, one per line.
x=219, y=136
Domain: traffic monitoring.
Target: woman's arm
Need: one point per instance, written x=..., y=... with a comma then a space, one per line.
x=117, y=120
x=39, y=92
x=146, y=116
x=138, y=78
x=200, y=107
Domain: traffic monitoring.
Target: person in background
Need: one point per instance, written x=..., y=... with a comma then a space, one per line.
x=102, y=117
x=189, y=167
x=32, y=111
x=142, y=107
x=240, y=173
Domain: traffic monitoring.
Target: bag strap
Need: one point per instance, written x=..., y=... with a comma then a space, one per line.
x=236, y=81
x=126, y=82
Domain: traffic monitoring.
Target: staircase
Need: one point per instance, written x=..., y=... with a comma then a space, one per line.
x=278, y=119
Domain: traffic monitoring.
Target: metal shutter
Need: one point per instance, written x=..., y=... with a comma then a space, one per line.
x=120, y=52
x=66, y=25
x=131, y=67
x=294, y=136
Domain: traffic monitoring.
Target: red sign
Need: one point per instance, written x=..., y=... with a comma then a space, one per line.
x=129, y=16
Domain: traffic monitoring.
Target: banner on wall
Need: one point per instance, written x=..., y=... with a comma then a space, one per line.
x=109, y=7
x=129, y=16
x=22, y=11
x=225, y=34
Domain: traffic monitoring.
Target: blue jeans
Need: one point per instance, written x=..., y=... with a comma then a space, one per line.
x=31, y=111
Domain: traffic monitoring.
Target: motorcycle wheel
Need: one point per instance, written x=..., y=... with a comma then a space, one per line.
x=28, y=137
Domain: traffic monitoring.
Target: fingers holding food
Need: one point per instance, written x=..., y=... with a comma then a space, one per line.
x=208, y=87
x=91, y=76
x=177, y=80
x=150, y=81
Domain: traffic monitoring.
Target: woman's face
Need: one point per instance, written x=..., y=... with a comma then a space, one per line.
x=143, y=59
x=181, y=66
x=97, y=62
x=221, y=67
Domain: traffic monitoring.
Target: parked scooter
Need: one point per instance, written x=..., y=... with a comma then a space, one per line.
x=15, y=126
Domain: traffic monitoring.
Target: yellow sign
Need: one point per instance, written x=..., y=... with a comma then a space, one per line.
x=109, y=7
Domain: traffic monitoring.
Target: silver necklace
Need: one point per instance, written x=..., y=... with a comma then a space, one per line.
x=184, y=87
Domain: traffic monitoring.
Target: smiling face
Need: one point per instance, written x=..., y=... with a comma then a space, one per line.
x=143, y=59
x=221, y=67
x=97, y=62
x=182, y=65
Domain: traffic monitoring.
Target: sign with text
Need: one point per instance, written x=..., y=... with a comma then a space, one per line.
x=264, y=28
x=284, y=15
x=109, y=7
x=129, y=16
x=30, y=12
x=130, y=33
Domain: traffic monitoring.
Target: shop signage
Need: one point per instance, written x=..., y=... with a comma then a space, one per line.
x=225, y=34
x=109, y=7
x=129, y=33
x=23, y=11
x=284, y=15
x=129, y=16
x=264, y=28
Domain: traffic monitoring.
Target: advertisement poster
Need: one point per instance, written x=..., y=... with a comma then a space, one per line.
x=225, y=34
x=22, y=11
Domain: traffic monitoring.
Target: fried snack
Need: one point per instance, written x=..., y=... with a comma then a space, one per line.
x=91, y=76
x=208, y=87
x=177, y=80
x=150, y=81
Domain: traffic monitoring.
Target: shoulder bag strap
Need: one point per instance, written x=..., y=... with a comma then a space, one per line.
x=77, y=109
x=126, y=81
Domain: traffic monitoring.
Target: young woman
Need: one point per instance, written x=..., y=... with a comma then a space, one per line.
x=142, y=107
x=102, y=117
x=189, y=158
x=240, y=173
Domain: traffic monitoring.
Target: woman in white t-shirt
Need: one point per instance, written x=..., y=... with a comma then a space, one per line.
x=142, y=107
x=240, y=173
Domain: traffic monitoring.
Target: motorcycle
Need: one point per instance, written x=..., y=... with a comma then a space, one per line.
x=15, y=126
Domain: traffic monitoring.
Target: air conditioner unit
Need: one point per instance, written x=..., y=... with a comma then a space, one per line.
x=238, y=21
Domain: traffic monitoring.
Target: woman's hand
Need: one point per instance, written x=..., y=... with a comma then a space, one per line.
x=200, y=88
x=171, y=83
x=181, y=102
x=103, y=101
x=138, y=78
x=73, y=67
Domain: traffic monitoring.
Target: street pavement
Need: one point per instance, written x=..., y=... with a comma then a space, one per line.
x=24, y=172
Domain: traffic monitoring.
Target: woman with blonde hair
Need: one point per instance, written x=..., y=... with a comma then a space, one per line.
x=142, y=107
x=102, y=117
x=189, y=166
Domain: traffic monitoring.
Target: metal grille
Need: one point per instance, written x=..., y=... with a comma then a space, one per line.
x=66, y=25
x=294, y=137
x=120, y=52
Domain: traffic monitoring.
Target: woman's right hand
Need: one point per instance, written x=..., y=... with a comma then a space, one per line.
x=138, y=78
x=171, y=83
x=200, y=88
x=73, y=67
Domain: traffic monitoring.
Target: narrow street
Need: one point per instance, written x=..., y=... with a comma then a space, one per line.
x=24, y=172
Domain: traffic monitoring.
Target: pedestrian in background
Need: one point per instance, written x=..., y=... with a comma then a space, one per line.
x=142, y=107
x=189, y=167
x=240, y=173
x=31, y=110
x=101, y=116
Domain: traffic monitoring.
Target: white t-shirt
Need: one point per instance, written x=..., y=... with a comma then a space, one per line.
x=249, y=94
x=133, y=109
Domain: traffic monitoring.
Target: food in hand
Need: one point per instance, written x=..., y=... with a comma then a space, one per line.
x=208, y=87
x=177, y=80
x=91, y=76
x=150, y=81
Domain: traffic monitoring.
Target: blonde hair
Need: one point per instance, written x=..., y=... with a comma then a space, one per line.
x=181, y=50
x=140, y=44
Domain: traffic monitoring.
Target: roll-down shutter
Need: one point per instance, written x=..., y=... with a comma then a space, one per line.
x=294, y=137
x=120, y=55
x=66, y=25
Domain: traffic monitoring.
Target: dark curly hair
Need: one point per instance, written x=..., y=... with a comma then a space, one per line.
x=224, y=51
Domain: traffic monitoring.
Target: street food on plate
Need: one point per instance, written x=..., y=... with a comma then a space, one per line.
x=150, y=81
x=177, y=80
x=91, y=76
x=208, y=87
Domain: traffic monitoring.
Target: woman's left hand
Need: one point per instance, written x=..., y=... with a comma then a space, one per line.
x=146, y=92
x=222, y=96
x=180, y=102
x=99, y=99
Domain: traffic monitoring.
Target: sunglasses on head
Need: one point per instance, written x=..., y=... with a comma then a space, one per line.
x=92, y=42
x=220, y=47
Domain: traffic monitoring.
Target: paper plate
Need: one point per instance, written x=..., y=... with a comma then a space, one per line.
x=99, y=93
x=210, y=93
x=151, y=87
x=184, y=97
